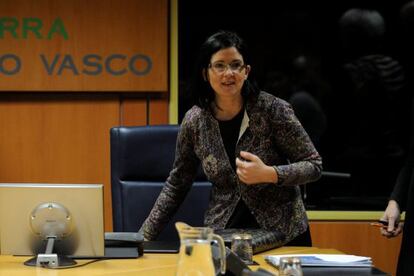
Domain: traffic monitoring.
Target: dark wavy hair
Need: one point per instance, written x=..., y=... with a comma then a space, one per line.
x=201, y=92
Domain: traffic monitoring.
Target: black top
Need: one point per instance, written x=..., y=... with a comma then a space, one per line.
x=229, y=130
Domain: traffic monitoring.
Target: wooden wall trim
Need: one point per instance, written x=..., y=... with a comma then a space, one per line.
x=358, y=238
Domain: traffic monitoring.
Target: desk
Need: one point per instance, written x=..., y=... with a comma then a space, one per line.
x=149, y=264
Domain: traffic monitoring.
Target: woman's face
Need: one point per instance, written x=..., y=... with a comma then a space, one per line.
x=227, y=72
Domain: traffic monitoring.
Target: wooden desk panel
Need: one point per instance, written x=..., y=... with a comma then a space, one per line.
x=358, y=238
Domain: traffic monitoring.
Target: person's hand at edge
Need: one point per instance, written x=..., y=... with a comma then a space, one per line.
x=392, y=216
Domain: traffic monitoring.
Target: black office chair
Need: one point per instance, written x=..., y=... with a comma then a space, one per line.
x=141, y=159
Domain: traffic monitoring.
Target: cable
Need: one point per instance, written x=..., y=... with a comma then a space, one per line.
x=76, y=266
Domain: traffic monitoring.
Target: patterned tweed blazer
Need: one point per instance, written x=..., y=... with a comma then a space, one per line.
x=269, y=130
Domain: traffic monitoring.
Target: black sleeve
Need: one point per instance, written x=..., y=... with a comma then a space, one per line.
x=405, y=176
x=400, y=191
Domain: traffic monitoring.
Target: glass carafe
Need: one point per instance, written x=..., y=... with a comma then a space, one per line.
x=195, y=257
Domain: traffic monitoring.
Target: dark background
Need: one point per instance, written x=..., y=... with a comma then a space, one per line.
x=277, y=32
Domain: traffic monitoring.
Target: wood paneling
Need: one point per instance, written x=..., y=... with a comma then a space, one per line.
x=64, y=138
x=103, y=28
x=358, y=238
x=151, y=109
x=158, y=110
x=133, y=111
x=58, y=139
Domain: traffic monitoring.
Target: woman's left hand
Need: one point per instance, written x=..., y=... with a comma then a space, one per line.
x=252, y=170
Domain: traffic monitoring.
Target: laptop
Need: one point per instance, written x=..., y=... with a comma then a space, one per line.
x=73, y=213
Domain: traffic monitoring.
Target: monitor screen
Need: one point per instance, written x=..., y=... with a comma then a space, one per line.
x=71, y=212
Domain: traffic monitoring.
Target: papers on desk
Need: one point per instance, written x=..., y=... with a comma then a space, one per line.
x=337, y=260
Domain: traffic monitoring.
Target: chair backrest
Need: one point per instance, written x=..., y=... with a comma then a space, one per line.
x=141, y=159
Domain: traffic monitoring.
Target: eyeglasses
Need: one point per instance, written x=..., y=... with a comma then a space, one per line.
x=221, y=67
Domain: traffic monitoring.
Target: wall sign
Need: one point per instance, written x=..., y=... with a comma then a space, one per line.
x=83, y=45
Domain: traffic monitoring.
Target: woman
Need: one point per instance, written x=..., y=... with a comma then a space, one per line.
x=251, y=146
x=402, y=199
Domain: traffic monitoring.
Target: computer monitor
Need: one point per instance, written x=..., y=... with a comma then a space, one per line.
x=72, y=213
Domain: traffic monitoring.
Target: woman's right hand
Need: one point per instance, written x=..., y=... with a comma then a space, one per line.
x=392, y=216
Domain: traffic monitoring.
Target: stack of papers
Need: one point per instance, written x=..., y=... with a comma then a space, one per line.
x=324, y=260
